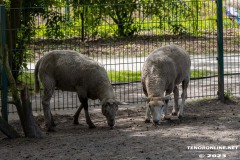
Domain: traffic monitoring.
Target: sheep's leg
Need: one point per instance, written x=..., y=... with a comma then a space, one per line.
x=175, y=106
x=48, y=92
x=165, y=113
x=148, y=114
x=52, y=121
x=183, y=96
x=88, y=119
x=76, y=115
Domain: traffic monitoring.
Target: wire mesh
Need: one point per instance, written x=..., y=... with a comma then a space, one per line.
x=120, y=36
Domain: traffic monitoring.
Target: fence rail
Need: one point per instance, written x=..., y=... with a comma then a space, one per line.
x=122, y=42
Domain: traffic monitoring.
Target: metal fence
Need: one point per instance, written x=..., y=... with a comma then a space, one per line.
x=102, y=33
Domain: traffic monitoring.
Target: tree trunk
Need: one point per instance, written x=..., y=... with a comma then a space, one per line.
x=30, y=128
x=7, y=129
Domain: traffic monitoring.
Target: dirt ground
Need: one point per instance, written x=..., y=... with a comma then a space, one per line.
x=207, y=123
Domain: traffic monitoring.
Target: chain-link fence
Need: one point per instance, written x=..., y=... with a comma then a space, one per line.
x=120, y=36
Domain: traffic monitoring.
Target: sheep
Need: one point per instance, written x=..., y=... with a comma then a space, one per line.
x=164, y=69
x=72, y=71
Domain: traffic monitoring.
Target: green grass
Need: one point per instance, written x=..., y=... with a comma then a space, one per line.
x=27, y=78
x=124, y=76
x=132, y=76
x=201, y=73
x=116, y=76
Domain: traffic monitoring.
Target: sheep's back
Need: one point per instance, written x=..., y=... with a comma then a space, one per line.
x=169, y=63
x=70, y=69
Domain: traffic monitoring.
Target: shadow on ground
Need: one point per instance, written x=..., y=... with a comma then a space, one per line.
x=206, y=123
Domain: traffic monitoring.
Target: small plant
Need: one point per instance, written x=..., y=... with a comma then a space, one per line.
x=228, y=95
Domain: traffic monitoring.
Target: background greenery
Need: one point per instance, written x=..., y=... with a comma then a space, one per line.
x=116, y=76
x=55, y=22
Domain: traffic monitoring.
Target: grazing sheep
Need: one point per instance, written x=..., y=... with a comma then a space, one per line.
x=72, y=71
x=164, y=69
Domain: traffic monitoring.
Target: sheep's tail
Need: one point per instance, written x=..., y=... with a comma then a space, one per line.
x=36, y=80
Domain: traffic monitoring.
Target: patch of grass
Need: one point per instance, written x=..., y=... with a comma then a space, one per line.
x=124, y=76
x=132, y=76
x=201, y=73
x=115, y=76
x=27, y=78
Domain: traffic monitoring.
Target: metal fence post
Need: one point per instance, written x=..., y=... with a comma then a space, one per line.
x=67, y=10
x=3, y=74
x=220, y=50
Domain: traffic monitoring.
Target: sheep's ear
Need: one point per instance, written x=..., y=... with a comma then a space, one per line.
x=146, y=99
x=103, y=101
x=121, y=103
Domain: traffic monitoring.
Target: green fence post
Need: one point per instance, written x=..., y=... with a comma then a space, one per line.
x=67, y=10
x=4, y=75
x=220, y=50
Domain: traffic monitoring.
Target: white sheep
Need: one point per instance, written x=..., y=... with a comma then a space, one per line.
x=164, y=69
x=72, y=71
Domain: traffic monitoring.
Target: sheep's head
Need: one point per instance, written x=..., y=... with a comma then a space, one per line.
x=109, y=110
x=156, y=106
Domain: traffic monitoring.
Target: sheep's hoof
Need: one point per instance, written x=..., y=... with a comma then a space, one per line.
x=53, y=124
x=75, y=122
x=51, y=129
x=156, y=124
x=180, y=116
x=147, y=121
x=92, y=126
x=166, y=118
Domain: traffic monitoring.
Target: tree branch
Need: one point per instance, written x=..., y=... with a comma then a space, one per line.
x=7, y=129
x=23, y=105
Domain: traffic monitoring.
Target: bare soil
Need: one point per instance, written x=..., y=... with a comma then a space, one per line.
x=206, y=123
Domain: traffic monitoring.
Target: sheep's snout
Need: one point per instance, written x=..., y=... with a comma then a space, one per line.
x=109, y=110
x=156, y=122
x=111, y=123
